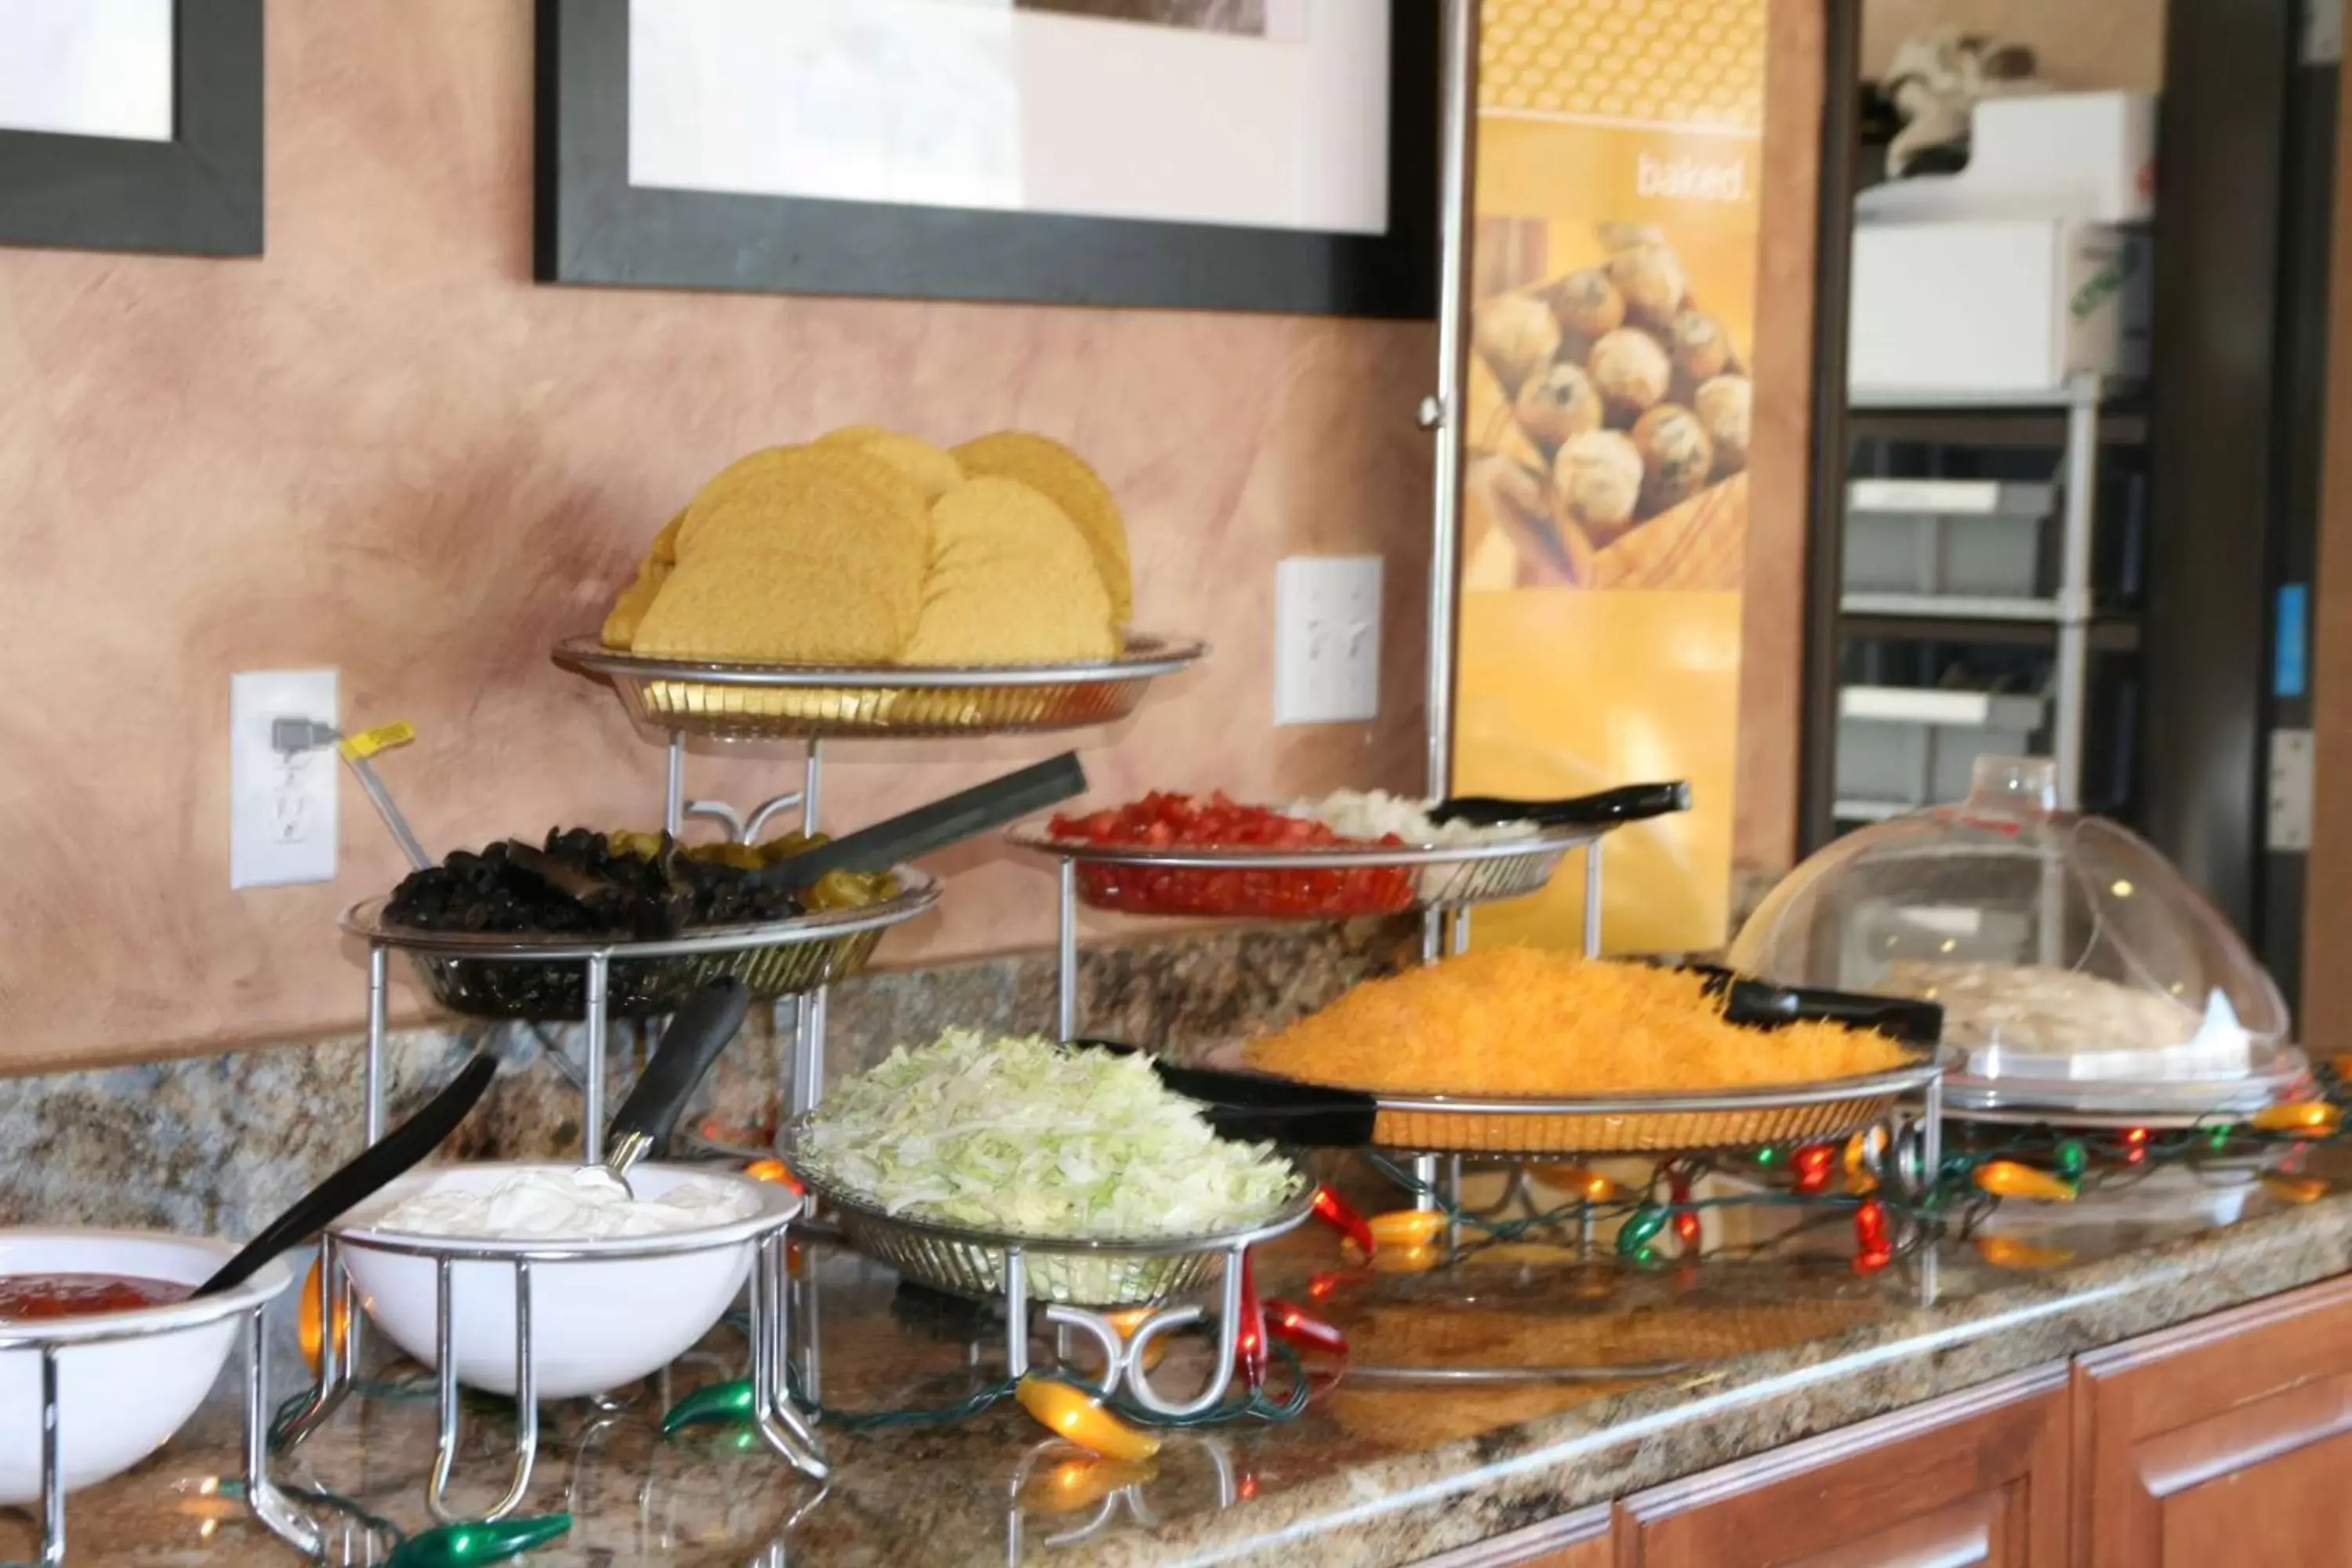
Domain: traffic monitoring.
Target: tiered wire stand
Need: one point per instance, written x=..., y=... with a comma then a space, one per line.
x=1435, y=1134
x=1075, y=1284
x=778, y=1423
x=269, y=1505
x=1446, y=883
x=724, y=702
x=797, y=958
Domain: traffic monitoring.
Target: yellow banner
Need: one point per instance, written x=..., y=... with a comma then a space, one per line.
x=1604, y=513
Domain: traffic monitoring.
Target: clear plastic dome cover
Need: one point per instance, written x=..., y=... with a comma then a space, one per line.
x=2061, y=947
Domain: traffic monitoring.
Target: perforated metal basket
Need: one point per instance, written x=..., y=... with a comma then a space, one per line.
x=975, y=1263
x=728, y=701
x=1640, y=1123
x=1317, y=883
x=544, y=980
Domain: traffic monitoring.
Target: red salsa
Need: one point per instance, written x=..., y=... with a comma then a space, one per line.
x=30, y=1298
x=1162, y=820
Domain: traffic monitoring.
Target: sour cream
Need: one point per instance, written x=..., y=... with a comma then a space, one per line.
x=566, y=1205
x=1375, y=813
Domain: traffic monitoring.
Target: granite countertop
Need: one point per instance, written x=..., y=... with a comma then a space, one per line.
x=1686, y=1367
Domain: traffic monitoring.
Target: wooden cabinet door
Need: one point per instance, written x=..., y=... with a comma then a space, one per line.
x=1578, y=1540
x=1975, y=1478
x=2224, y=1440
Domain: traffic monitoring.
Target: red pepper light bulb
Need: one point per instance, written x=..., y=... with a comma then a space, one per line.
x=1335, y=1211
x=1872, y=1251
x=1249, y=1340
x=1686, y=1226
x=1293, y=1327
x=1813, y=1165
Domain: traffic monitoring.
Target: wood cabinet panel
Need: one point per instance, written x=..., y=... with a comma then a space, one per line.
x=1578, y=1540
x=1976, y=1477
x=2223, y=1440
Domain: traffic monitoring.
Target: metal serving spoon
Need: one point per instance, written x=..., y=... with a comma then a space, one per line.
x=703, y=1024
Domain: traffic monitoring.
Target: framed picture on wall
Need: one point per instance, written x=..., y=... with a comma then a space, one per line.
x=132, y=125
x=1215, y=155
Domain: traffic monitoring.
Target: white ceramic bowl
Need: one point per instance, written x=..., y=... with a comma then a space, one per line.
x=117, y=1400
x=596, y=1322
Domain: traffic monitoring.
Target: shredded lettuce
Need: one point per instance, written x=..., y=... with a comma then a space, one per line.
x=1032, y=1138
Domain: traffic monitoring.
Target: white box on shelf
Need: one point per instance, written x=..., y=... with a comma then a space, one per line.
x=1968, y=538
x=1908, y=747
x=1945, y=308
x=2085, y=155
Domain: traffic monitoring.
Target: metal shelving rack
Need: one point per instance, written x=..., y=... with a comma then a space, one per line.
x=2092, y=411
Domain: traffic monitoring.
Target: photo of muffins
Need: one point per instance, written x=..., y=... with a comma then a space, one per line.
x=1608, y=419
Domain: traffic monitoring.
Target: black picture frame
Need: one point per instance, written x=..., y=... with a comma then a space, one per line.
x=591, y=226
x=200, y=193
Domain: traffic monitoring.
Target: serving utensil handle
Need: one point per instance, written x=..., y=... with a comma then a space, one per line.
x=696, y=1034
x=966, y=814
x=1627, y=802
x=389, y=1156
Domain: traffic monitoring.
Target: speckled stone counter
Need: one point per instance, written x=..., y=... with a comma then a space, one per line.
x=1381, y=1469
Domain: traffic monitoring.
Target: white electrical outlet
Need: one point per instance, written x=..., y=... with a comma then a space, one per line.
x=1327, y=639
x=281, y=807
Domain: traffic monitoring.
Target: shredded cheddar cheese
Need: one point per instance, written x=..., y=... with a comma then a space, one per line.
x=1518, y=1021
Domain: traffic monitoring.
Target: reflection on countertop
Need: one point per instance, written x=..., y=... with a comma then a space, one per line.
x=1653, y=1374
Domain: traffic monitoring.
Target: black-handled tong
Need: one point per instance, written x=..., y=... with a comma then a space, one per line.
x=1761, y=1004
x=1253, y=1109
x=1627, y=802
x=964, y=815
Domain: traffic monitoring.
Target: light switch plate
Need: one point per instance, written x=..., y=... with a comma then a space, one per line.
x=1327, y=639
x=281, y=809
x=2288, y=825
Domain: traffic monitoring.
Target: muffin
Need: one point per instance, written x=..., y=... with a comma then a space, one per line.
x=1516, y=335
x=1699, y=346
x=1631, y=372
x=1596, y=483
x=1677, y=457
x=1586, y=304
x=1721, y=407
x=1652, y=280
x=1560, y=403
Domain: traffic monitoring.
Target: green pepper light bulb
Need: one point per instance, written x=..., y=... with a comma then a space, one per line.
x=2072, y=1158
x=463, y=1545
x=1641, y=1226
x=718, y=1402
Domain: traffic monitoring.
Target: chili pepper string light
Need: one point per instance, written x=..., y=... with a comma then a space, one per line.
x=1336, y=1212
x=1249, y=1339
x=1687, y=1226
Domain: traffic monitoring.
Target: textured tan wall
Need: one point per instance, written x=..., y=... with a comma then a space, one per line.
x=382, y=448
x=2080, y=43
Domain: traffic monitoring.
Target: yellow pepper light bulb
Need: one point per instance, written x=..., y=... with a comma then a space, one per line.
x=2008, y=1252
x=1416, y=1259
x=1861, y=1150
x=2296, y=1189
x=306, y=1322
x=1077, y=1416
x=2007, y=1179
x=775, y=1170
x=1591, y=1185
x=1408, y=1228
x=2316, y=1117
x=1076, y=1485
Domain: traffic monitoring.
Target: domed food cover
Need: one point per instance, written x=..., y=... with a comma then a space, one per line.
x=2076, y=968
